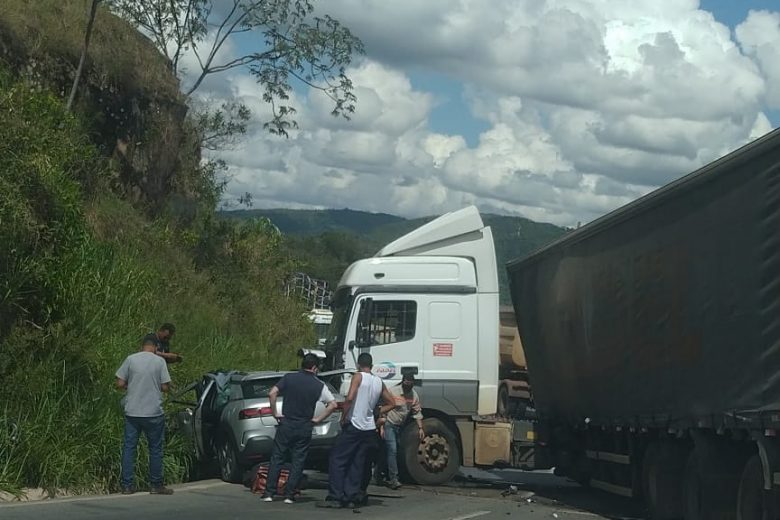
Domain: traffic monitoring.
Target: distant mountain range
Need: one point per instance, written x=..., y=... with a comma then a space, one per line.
x=327, y=241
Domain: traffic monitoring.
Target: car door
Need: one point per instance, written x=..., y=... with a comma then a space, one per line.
x=202, y=431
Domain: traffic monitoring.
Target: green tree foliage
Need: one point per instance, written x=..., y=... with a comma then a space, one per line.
x=294, y=43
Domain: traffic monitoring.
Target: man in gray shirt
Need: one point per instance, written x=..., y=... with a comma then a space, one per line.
x=145, y=376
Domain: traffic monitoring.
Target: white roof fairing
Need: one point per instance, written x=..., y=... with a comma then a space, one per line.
x=460, y=234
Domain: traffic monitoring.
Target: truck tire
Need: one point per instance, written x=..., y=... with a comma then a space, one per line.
x=436, y=459
x=753, y=501
x=694, y=503
x=711, y=483
x=227, y=457
x=663, y=467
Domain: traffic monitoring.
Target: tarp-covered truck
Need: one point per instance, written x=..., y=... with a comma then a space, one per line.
x=653, y=342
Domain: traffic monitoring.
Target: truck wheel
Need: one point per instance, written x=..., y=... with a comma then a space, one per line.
x=229, y=469
x=711, y=483
x=436, y=459
x=753, y=501
x=503, y=401
x=694, y=503
x=663, y=466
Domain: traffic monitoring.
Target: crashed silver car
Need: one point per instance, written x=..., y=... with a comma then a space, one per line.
x=230, y=421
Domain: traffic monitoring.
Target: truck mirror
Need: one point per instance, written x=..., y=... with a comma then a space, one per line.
x=364, y=323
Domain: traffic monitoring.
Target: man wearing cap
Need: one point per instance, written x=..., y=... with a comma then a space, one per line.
x=405, y=402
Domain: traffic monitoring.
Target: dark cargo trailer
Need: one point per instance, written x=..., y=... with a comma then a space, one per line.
x=652, y=338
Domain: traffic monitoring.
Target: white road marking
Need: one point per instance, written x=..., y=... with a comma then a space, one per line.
x=114, y=496
x=470, y=515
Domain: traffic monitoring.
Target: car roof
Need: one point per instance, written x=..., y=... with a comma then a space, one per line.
x=238, y=376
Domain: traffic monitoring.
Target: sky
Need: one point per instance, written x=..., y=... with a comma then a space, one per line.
x=556, y=110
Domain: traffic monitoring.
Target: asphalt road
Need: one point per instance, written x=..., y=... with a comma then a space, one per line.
x=535, y=496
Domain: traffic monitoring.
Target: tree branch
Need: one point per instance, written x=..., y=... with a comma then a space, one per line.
x=84, y=49
x=219, y=40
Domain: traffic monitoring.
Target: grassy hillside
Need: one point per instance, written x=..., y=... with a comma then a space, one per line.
x=327, y=241
x=85, y=271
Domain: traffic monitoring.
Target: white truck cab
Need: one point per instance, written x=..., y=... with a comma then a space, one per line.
x=428, y=303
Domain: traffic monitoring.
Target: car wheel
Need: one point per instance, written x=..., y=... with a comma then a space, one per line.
x=229, y=469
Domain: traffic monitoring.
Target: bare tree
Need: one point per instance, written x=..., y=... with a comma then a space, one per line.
x=84, y=50
x=296, y=44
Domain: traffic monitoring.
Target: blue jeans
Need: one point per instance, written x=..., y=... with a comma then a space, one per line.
x=291, y=441
x=154, y=429
x=392, y=436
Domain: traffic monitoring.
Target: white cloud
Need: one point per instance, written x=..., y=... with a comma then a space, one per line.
x=590, y=104
x=759, y=36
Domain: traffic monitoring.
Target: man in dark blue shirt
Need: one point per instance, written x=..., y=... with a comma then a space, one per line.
x=301, y=391
x=161, y=340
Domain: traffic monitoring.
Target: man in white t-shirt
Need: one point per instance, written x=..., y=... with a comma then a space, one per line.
x=144, y=375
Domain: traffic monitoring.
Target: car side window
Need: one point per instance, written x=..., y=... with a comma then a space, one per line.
x=392, y=321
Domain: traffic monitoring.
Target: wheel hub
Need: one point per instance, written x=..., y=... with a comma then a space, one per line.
x=434, y=453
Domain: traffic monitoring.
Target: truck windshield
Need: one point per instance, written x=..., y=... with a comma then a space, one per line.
x=342, y=301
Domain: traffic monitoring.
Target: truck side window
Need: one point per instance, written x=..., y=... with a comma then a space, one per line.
x=392, y=322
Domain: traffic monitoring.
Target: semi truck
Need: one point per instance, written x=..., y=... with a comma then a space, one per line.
x=653, y=343
x=428, y=303
x=650, y=339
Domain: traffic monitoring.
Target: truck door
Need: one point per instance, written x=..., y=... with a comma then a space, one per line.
x=388, y=327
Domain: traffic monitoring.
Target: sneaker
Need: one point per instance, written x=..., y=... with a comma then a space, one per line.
x=394, y=484
x=161, y=490
x=289, y=500
x=267, y=498
x=128, y=490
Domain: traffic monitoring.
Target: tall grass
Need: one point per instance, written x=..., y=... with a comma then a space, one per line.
x=83, y=278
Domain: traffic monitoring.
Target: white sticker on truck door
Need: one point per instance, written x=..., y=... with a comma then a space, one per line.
x=384, y=370
x=442, y=349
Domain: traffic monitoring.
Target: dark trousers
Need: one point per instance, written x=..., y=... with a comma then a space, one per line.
x=291, y=442
x=347, y=464
x=373, y=457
